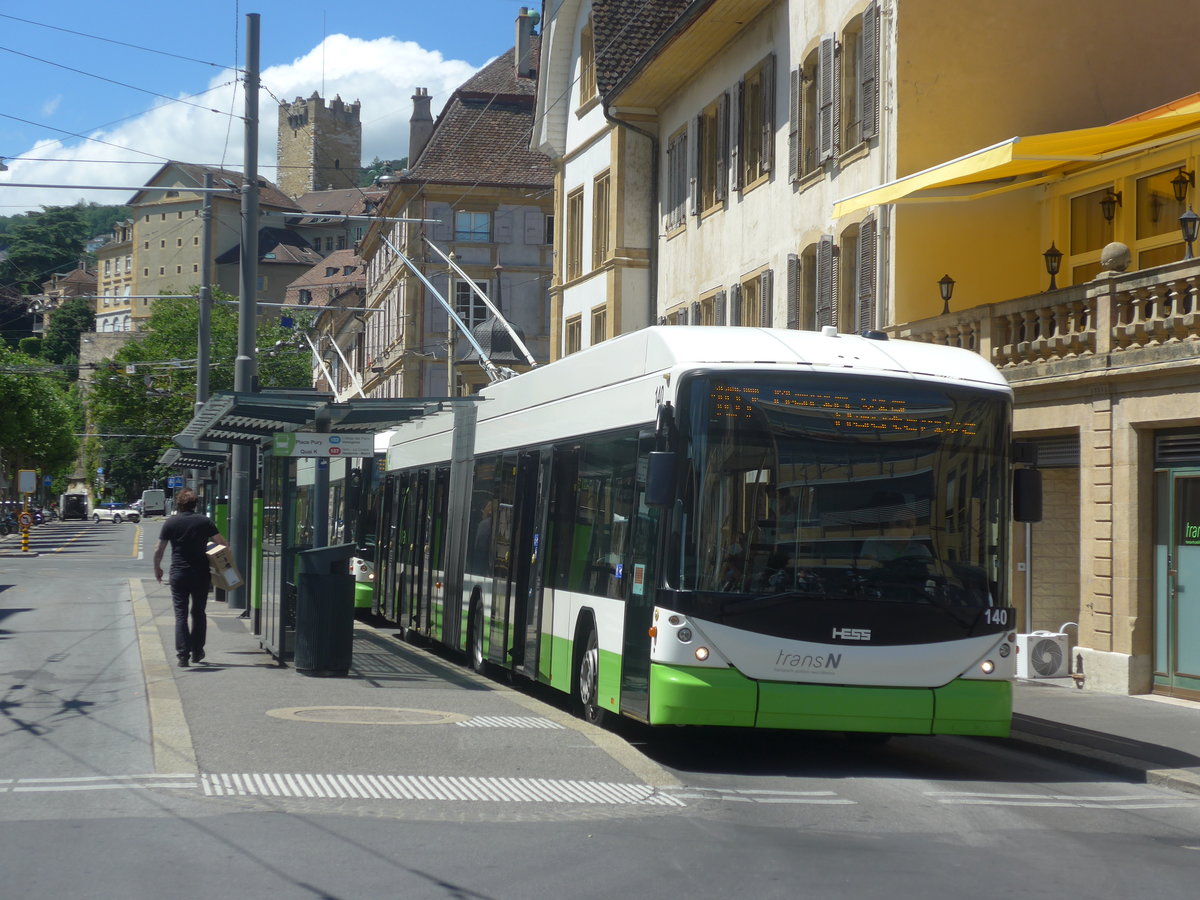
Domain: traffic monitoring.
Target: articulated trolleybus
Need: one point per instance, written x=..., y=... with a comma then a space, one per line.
x=721, y=526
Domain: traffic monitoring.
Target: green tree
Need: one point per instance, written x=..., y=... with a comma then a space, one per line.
x=41, y=245
x=67, y=323
x=38, y=425
x=146, y=395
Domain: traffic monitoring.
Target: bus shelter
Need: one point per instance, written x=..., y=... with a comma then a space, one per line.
x=306, y=491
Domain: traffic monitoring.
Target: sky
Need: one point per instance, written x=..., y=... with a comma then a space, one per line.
x=105, y=93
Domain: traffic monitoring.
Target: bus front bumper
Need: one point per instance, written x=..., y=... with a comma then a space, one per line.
x=681, y=695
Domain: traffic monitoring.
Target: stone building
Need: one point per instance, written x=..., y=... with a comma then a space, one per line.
x=320, y=146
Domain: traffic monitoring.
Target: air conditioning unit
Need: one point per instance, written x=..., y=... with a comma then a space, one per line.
x=1043, y=654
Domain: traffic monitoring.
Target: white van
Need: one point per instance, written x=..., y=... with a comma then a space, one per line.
x=154, y=503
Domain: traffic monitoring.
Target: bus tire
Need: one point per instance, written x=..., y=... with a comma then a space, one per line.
x=475, y=658
x=587, y=686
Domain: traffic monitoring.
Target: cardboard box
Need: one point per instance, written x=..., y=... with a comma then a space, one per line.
x=225, y=575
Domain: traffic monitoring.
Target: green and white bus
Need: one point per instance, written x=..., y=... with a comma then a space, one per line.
x=721, y=526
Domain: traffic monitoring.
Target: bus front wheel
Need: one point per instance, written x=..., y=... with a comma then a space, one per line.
x=589, y=681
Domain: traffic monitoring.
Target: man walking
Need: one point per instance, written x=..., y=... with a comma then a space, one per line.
x=188, y=532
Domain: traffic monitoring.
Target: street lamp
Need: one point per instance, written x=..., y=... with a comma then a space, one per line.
x=1189, y=223
x=946, y=287
x=1053, y=258
x=450, y=342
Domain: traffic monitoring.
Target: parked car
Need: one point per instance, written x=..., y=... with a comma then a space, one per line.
x=115, y=513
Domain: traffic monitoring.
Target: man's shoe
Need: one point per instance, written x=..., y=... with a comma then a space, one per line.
x=198, y=657
x=183, y=662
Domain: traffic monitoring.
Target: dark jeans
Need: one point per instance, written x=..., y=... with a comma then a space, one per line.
x=189, y=591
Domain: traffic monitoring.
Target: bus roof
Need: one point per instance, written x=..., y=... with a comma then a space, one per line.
x=661, y=348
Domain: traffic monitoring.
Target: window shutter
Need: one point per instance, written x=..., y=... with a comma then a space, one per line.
x=735, y=304
x=793, y=291
x=736, y=109
x=696, y=312
x=826, y=98
x=719, y=307
x=766, y=155
x=722, y=162
x=766, y=305
x=502, y=227
x=794, y=149
x=534, y=227
x=866, y=274
x=826, y=283
x=869, y=89
x=695, y=153
x=838, y=88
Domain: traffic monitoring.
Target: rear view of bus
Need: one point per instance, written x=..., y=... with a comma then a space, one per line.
x=835, y=548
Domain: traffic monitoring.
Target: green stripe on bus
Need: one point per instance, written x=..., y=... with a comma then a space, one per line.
x=973, y=707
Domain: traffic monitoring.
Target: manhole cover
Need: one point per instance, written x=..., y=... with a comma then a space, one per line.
x=367, y=715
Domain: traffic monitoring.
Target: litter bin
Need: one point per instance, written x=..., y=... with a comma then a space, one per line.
x=324, y=611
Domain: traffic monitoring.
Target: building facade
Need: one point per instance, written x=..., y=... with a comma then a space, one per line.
x=477, y=193
x=114, y=280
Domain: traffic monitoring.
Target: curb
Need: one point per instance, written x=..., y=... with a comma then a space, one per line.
x=1186, y=780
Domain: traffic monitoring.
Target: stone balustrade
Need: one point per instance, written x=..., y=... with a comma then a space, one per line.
x=1043, y=333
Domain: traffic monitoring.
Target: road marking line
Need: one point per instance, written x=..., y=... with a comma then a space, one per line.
x=508, y=722
x=170, y=737
x=453, y=788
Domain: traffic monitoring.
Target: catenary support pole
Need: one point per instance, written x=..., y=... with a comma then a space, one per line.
x=242, y=459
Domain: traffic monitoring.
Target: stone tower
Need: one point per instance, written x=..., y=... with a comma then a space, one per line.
x=320, y=147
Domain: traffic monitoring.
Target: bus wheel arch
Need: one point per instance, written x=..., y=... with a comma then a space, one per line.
x=585, y=681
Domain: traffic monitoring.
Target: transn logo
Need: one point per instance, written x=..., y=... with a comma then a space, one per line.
x=852, y=634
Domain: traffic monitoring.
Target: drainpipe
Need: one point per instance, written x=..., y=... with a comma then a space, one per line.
x=652, y=299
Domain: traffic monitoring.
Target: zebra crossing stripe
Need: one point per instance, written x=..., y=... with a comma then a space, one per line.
x=432, y=787
x=508, y=722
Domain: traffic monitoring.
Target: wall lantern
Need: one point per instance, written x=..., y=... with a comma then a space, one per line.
x=1108, y=206
x=1053, y=258
x=1181, y=182
x=946, y=286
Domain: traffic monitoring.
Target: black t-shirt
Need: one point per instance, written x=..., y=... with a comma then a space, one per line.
x=188, y=534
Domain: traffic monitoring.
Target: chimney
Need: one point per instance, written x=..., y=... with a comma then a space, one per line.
x=526, y=19
x=420, y=126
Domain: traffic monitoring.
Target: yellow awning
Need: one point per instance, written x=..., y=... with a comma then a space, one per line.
x=1023, y=161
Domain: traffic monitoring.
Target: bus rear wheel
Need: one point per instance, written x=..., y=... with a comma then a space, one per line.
x=588, y=690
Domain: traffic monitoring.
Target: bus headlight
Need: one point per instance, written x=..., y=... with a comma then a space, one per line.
x=684, y=635
x=1004, y=651
x=987, y=667
x=702, y=653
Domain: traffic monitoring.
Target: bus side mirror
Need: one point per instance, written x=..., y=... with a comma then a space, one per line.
x=660, y=478
x=1027, y=495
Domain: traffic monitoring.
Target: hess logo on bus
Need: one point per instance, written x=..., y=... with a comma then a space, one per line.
x=852, y=634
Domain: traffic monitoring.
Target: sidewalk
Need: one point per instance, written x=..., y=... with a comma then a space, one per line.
x=1157, y=739
x=1152, y=739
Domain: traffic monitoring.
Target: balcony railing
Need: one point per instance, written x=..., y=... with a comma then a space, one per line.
x=1047, y=333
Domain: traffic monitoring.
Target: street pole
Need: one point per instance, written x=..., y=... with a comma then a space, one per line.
x=204, y=325
x=242, y=459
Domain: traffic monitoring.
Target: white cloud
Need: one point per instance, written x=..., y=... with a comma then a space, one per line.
x=382, y=74
x=49, y=107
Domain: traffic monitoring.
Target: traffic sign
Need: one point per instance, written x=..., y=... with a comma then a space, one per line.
x=25, y=519
x=174, y=481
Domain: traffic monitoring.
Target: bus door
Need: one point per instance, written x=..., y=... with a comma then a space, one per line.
x=524, y=573
x=392, y=606
x=503, y=558
x=639, y=597
x=433, y=597
x=414, y=553
x=385, y=550
x=557, y=550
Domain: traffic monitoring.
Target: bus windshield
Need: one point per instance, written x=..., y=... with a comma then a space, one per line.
x=841, y=487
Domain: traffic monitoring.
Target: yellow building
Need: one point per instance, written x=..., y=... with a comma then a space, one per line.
x=114, y=280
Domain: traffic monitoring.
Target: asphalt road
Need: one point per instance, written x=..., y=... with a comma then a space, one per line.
x=545, y=807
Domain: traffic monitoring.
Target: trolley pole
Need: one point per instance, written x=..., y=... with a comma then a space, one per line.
x=242, y=461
